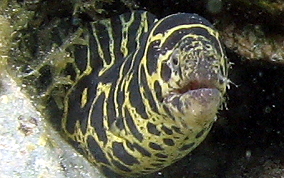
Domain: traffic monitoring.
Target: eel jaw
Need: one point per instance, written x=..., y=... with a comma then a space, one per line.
x=197, y=102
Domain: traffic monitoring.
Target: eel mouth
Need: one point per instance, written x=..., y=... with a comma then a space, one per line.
x=195, y=85
x=202, y=95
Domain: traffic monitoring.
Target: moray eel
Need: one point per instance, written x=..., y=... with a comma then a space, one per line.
x=147, y=92
x=142, y=93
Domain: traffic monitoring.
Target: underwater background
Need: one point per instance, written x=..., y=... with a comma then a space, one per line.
x=246, y=140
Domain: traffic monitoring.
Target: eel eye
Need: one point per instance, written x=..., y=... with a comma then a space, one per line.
x=174, y=62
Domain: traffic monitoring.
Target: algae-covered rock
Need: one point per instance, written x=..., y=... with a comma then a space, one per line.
x=254, y=29
x=29, y=146
x=5, y=41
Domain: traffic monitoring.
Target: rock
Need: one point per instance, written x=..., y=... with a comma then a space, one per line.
x=29, y=146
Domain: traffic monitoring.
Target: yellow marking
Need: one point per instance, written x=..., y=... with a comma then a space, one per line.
x=163, y=37
x=88, y=69
x=101, y=88
x=111, y=43
x=124, y=34
x=84, y=97
x=100, y=51
x=155, y=77
x=117, y=88
x=145, y=23
x=107, y=66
